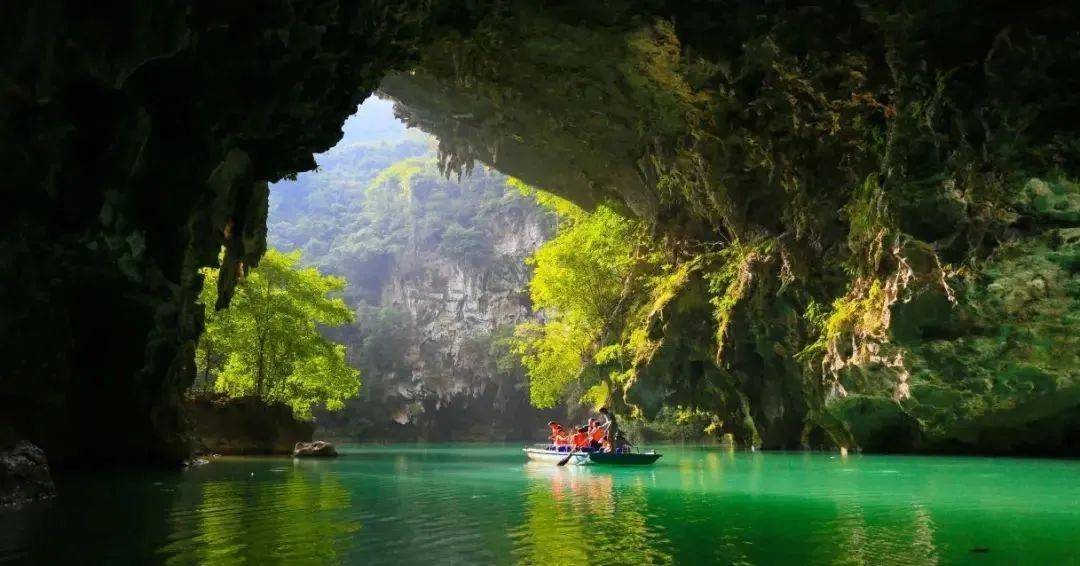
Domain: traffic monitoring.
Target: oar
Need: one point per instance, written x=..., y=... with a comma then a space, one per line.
x=567, y=458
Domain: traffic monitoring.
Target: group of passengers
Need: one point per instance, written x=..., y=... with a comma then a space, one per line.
x=600, y=435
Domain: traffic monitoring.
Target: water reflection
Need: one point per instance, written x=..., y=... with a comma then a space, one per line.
x=483, y=505
x=579, y=515
x=723, y=507
x=286, y=513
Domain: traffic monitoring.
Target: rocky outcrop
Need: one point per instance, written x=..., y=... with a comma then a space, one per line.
x=246, y=425
x=317, y=449
x=24, y=475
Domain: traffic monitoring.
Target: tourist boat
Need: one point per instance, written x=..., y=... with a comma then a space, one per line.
x=547, y=454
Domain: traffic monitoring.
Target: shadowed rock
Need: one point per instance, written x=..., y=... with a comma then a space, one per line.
x=24, y=475
x=317, y=449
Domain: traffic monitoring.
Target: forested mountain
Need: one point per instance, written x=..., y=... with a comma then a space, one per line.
x=436, y=277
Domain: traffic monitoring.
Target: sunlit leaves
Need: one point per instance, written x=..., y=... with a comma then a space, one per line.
x=578, y=280
x=267, y=343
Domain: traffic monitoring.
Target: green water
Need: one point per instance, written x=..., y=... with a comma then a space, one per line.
x=419, y=504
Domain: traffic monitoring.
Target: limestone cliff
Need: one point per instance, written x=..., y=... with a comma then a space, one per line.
x=450, y=302
x=454, y=312
x=437, y=277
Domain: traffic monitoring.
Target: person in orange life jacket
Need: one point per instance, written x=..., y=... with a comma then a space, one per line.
x=558, y=434
x=580, y=439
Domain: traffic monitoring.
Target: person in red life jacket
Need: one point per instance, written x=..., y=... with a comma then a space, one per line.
x=558, y=434
x=580, y=439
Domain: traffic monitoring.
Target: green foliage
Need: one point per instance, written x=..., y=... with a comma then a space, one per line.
x=563, y=209
x=579, y=278
x=676, y=423
x=582, y=271
x=729, y=282
x=268, y=342
x=385, y=214
x=466, y=245
x=397, y=204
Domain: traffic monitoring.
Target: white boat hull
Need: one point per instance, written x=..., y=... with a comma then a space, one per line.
x=541, y=455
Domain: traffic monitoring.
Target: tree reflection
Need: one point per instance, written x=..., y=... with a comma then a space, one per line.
x=292, y=516
x=581, y=515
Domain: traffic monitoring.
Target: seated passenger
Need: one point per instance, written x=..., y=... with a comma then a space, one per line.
x=558, y=434
x=580, y=439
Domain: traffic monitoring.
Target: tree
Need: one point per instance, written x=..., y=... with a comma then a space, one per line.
x=578, y=280
x=268, y=344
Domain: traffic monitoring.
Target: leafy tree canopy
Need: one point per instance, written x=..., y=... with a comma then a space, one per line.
x=268, y=344
x=579, y=278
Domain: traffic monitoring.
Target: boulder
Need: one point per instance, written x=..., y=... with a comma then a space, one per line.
x=24, y=475
x=317, y=449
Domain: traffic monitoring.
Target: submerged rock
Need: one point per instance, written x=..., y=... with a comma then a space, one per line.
x=317, y=449
x=196, y=462
x=24, y=475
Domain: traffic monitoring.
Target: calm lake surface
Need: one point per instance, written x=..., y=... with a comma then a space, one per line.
x=469, y=504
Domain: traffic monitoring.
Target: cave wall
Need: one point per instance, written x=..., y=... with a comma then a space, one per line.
x=138, y=141
x=894, y=183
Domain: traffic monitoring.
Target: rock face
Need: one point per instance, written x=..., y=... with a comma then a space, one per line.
x=447, y=384
x=452, y=303
x=24, y=475
x=317, y=449
x=872, y=250
x=245, y=425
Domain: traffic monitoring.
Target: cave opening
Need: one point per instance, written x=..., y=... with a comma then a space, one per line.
x=838, y=228
x=434, y=264
x=788, y=141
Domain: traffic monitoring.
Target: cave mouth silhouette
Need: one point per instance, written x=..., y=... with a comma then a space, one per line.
x=139, y=142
